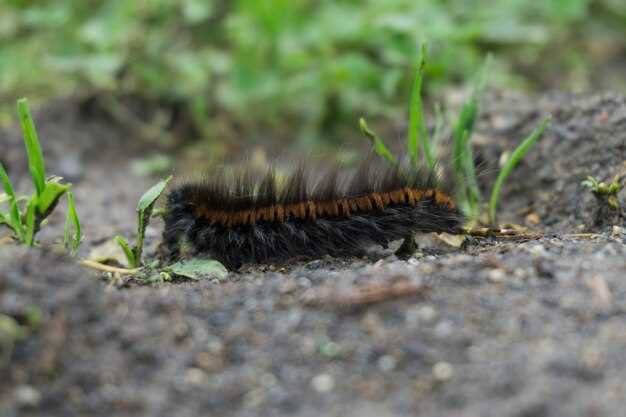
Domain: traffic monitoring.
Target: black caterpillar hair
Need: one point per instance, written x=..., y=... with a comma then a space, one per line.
x=236, y=217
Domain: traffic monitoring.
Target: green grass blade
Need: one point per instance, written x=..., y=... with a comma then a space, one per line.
x=33, y=148
x=439, y=126
x=515, y=158
x=14, y=219
x=6, y=184
x=469, y=169
x=469, y=111
x=460, y=145
x=72, y=242
x=130, y=255
x=465, y=172
x=379, y=145
x=29, y=234
x=418, y=133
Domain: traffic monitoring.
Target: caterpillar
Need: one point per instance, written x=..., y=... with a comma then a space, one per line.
x=239, y=217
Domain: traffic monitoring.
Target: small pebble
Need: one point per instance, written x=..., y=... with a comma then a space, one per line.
x=323, y=383
x=443, y=329
x=268, y=380
x=427, y=314
x=538, y=250
x=387, y=363
x=195, y=376
x=496, y=275
x=519, y=273
x=423, y=314
x=27, y=396
x=443, y=371
x=329, y=349
x=215, y=345
x=313, y=265
x=533, y=218
x=288, y=287
x=304, y=282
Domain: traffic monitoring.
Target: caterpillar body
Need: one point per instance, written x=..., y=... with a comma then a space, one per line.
x=240, y=218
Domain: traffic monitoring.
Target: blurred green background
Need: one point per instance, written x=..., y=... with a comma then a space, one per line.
x=303, y=68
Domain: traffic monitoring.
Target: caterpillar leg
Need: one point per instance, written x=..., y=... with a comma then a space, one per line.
x=408, y=247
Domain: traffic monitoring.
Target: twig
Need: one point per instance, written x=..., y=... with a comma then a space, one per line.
x=107, y=268
x=583, y=235
x=501, y=232
x=367, y=294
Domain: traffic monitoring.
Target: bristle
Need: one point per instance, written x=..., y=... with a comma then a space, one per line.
x=239, y=219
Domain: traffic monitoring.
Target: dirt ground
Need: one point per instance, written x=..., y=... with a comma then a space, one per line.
x=503, y=327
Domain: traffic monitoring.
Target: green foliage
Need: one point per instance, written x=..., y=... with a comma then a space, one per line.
x=144, y=212
x=517, y=155
x=602, y=188
x=25, y=223
x=311, y=64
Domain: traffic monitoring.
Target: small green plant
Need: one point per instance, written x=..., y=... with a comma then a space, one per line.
x=25, y=215
x=419, y=142
x=144, y=212
x=605, y=191
x=154, y=272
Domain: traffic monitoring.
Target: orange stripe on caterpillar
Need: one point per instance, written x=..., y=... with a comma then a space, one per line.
x=312, y=210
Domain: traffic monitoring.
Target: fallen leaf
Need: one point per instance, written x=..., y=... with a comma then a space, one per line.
x=452, y=240
x=199, y=269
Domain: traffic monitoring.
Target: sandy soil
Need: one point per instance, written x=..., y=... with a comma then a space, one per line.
x=503, y=327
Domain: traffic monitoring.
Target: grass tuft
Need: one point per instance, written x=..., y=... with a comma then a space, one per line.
x=26, y=221
x=144, y=212
x=418, y=140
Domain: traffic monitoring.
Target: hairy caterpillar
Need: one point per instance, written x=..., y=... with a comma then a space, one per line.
x=236, y=217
